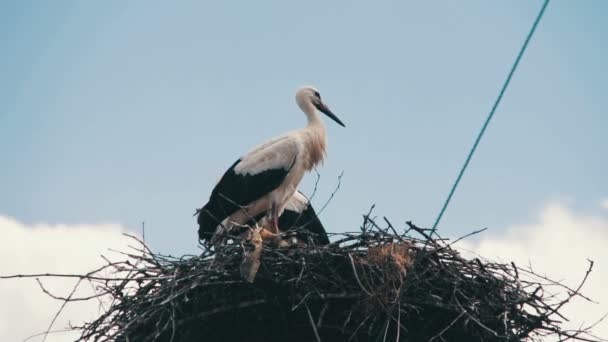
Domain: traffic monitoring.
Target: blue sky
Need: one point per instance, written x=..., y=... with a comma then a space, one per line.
x=129, y=111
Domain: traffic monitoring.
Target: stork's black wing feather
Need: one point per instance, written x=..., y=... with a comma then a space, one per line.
x=234, y=191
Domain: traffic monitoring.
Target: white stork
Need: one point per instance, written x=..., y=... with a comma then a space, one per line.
x=263, y=180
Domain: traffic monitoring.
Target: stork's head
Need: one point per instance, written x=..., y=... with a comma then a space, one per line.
x=307, y=96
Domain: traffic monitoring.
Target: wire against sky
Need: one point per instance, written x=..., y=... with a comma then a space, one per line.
x=491, y=114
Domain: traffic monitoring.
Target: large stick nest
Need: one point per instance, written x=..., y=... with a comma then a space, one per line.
x=373, y=285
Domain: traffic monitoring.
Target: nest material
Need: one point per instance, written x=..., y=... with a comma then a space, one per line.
x=374, y=285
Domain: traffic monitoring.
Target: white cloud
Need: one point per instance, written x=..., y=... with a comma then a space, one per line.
x=42, y=248
x=604, y=204
x=558, y=246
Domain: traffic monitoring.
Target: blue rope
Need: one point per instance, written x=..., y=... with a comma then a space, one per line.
x=491, y=114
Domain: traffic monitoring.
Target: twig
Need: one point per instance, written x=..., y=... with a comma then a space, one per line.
x=312, y=323
x=352, y=262
x=332, y=194
x=65, y=302
x=448, y=326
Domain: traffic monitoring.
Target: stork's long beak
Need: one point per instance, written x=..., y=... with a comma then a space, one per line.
x=323, y=108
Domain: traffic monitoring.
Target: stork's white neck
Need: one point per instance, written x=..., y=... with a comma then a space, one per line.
x=315, y=136
x=311, y=113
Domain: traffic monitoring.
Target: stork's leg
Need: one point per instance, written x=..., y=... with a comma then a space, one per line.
x=274, y=218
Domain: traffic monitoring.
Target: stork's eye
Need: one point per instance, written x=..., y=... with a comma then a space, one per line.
x=317, y=95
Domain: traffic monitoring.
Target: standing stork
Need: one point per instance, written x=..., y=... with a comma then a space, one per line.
x=263, y=180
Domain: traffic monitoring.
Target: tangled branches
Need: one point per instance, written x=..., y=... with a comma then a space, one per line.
x=373, y=285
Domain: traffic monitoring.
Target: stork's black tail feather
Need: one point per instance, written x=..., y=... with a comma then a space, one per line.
x=207, y=220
